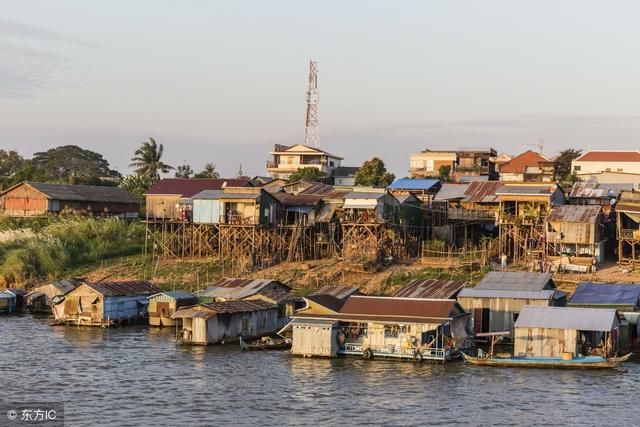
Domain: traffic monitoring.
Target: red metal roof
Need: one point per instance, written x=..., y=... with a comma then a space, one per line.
x=430, y=288
x=519, y=163
x=403, y=307
x=610, y=156
x=187, y=187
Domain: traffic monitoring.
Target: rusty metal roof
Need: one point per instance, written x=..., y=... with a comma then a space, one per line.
x=187, y=187
x=237, y=288
x=403, y=307
x=327, y=212
x=336, y=195
x=317, y=188
x=301, y=199
x=128, y=288
x=451, y=191
x=337, y=291
x=575, y=213
x=516, y=281
x=279, y=295
x=482, y=192
x=594, y=190
x=430, y=288
x=64, y=286
x=528, y=190
x=211, y=309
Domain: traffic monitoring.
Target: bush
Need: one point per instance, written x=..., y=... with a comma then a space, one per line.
x=64, y=243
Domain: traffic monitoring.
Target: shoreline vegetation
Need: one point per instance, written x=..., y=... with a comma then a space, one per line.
x=36, y=250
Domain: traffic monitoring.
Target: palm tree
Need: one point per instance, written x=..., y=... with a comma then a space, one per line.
x=147, y=161
x=209, y=171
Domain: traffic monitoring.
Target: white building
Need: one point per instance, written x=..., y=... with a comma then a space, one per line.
x=287, y=160
x=608, y=166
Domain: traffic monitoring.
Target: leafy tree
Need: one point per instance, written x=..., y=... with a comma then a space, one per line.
x=307, y=174
x=10, y=162
x=147, y=160
x=563, y=163
x=374, y=173
x=444, y=173
x=184, y=171
x=70, y=163
x=209, y=171
x=27, y=172
x=136, y=184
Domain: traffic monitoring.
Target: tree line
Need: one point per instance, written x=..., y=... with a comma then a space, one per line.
x=74, y=165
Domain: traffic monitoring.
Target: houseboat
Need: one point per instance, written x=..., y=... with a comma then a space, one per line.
x=11, y=300
x=164, y=304
x=402, y=328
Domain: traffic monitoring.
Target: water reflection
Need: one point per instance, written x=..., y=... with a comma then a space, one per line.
x=139, y=376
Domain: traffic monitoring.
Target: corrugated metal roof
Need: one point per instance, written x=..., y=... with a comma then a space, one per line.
x=187, y=187
x=128, y=288
x=430, y=288
x=279, y=295
x=573, y=318
x=528, y=190
x=450, y=191
x=234, y=288
x=82, y=193
x=300, y=199
x=606, y=294
x=473, y=178
x=341, y=292
x=413, y=184
x=516, y=281
x=317, y=188
x=178, y=295
x=66, y=285
x=211, y=309
x=392, y=306
x=596, y=190
x=483, y=192
x=327, y=212
x=393, y=318
x=575, y=213
x=363, y=195
x=496, y=293
x=243, y=196
x=208, y=195
x=336, y=195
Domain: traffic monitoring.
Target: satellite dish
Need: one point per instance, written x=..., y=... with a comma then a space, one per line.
x=612, y=202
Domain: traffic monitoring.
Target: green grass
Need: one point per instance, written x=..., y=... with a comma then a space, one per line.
x=60, y=244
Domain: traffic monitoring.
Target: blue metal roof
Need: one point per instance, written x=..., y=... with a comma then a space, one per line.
x=606, y=294
x=413, y=184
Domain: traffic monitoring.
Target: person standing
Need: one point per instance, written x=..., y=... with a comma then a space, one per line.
x=503, y=261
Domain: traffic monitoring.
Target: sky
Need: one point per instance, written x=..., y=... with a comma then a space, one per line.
x=222, y=81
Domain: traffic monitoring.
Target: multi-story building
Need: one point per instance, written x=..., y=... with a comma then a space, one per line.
x=461, y=163
x=608, y=166
x=288, y=159
x=528, y=167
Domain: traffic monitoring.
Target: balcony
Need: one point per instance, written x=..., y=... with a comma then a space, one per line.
x=470, y=214
x=629, y=234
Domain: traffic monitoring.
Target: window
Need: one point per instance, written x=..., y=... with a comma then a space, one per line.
x=577, y=168
x=331, y=164
x=619, y=170
x=608, y=170
x=429, y=165
x=515, y=316
x=416, y=164
x=391, y=331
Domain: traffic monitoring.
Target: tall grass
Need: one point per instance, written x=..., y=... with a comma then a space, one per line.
x=65, y=243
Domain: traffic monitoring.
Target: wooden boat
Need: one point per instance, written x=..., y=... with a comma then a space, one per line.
x=581, y=362
x=508, y=361
x=266, y=343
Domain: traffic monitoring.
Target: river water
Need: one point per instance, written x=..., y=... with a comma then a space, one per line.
x=137, y=375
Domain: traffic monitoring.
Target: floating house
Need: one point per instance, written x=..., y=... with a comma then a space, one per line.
x=628, y=228
x=623, y=297
x=164, y=304
x=11, y=300
x=495, y=303
x=104, y=303
x=266, y=290
x=299, y=208
x=220, y=322
x=404, y=328
x=251, y=206
x=367, y=207
x=40, y=299
x=37, y=198
x=574, y=236
x=566, y=332
x=430, y=289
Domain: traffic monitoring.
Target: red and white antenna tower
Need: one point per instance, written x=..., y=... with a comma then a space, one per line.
x=311, y=130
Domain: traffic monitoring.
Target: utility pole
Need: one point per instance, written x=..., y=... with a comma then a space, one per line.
x=311, y=130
